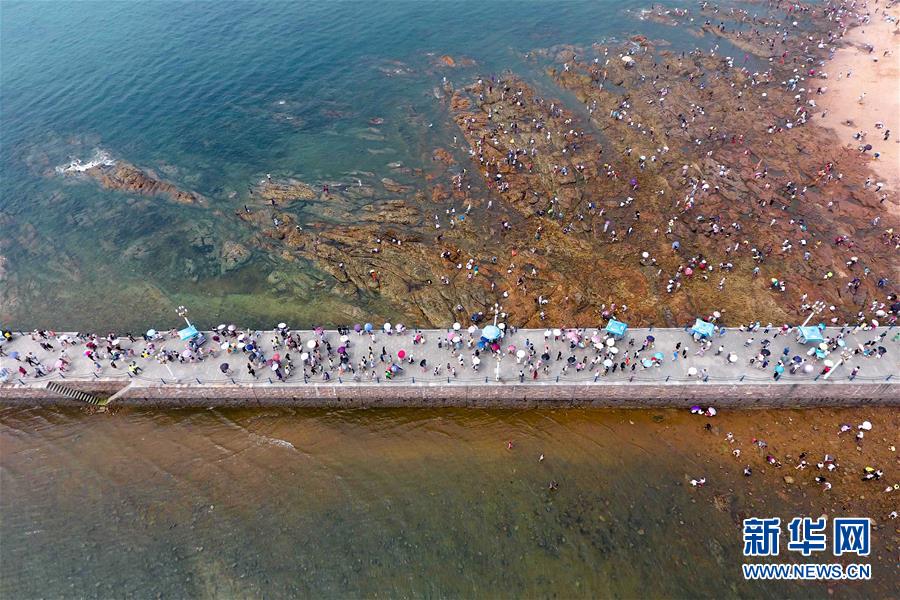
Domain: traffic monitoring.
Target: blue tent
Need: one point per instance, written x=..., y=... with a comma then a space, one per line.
x=703, y=328
x=810, y=335
x=491, y=333
x=188, y=333
x=617, y=328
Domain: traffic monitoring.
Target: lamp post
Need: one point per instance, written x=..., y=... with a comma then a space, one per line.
x=182, y=312
x=817, y=308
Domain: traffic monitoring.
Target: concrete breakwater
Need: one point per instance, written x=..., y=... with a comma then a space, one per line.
x=527, y=368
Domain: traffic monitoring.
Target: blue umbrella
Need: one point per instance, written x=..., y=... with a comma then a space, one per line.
x=368, y=327
x=491, y=333
x=658, y=356
x=646, y=362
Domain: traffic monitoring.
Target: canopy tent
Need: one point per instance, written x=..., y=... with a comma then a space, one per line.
x=703, y=328
x=188, y=333
x=491, y=333
x=810, y=335
x=617, y=328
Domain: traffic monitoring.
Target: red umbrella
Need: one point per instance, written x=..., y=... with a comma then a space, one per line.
x=401, y=354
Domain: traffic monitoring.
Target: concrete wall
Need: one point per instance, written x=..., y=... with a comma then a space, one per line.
x=622, y=395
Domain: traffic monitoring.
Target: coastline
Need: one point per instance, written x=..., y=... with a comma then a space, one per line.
x=875, y=75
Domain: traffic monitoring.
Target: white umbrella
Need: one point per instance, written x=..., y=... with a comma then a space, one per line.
x=807, y=368
x=613, y=350
x=732, y=358
x=823, y=346
x=345, y=339
x=304, y=356
x=717, y=314
x=224, y=346
x=476, y=360
x=692, y=371
x=610, y=342
x=607, y=363
x=311, y=344
x=220, y=327
x=472, y=329
x=502, y=326
x=231, y=328
x=828, y=363
x=275, y=366
x=282, y=325
x=711, y=411
x=387, y=326
x=457, y=326
x=866, y=426
x=520, y=354
x=557, y=332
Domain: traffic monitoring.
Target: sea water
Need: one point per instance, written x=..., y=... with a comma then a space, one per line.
x=212, y=96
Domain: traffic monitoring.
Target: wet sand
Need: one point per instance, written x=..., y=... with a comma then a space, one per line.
x=878, y=76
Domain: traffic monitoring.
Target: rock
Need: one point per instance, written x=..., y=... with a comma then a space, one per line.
x=284, y=192
x=126, y=177
x=234, y=255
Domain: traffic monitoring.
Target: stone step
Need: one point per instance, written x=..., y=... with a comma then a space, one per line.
x=72, y=393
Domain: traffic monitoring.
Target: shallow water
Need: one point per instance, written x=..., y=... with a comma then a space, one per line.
x=405, y=503
x=213, y=96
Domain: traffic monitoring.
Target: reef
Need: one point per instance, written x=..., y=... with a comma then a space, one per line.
x=125, y=177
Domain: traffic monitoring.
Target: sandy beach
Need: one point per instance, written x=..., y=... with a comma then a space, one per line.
x=869, y=66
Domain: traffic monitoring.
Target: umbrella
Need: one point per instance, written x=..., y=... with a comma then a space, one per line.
x=495, y=346
x=599, y=346
x=368, y=327
x=692, y=371
x=186, y=353
x=276, y=357
x=457, y=326
x=481, y=344
x=311, y=344
x=249, y=347
x=689, y=271
x=717, y=314
x=545, y=356
x=345, y=339
x=220, y=327
x=607, y=363
x=866, y=426
x=401, y=354
x=807, y=368
x=557, y=332
x=400, y=327
x=658, y=356
x=823, y=346
x=274, y=366
x=797, y=359
x=491, y=332
x=711, y=411
x=596, y=339
x=282, y=325
x=511, y=348
x=224, y=345
x=455, y=338
x=476, y=360
x=573, y=335
x=613, y=350
x=387, y=326
x=14, y=354
x=571, y=360
x=242, y=337
x=223, y=367
x=828, y=363
x=765, y=352
x=231, y=328
x=472, y=329
x=304, y=356
x=610, y=342
x=650, y=338
x=732, y=358
x=342, y=350
x=646, y=362
x=502, y=326
x=357, y=328
x=779, y=368
x=520, y=354
x=151, y=333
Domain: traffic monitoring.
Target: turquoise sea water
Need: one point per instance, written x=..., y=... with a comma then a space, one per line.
x=212, y=96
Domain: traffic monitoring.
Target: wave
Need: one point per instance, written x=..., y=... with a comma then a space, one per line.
x=261, y=439
x=101, y=158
